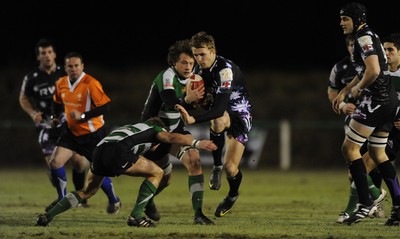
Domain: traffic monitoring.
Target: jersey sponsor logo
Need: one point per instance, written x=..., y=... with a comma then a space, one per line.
x=47, y=91
x=168, y=83
x=367, y=48
x=366, y=43
x=226, y=76
x=226, y=84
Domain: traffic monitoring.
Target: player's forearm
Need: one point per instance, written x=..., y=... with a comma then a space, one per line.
x=101, y=110
x=332, y=93
x=26, y=105
x=180, y=139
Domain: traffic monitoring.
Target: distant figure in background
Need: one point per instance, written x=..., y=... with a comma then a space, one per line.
x=342, y=73
x=84, y=103
x=36, y=100
x=373, y=119
x=121, y=152
x=167, y=90
x=230, y=112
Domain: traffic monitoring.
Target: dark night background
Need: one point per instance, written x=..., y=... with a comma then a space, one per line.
x=286, y=50
x=281, y=35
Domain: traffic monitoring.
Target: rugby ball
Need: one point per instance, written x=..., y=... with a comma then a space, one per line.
x=196, y=81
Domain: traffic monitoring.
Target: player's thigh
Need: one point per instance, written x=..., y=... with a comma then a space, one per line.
x=145, y=168
x=220, y=124
x=60, y=156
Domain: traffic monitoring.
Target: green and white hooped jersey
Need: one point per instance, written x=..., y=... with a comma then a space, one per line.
x=168, y=80
x=141, y=136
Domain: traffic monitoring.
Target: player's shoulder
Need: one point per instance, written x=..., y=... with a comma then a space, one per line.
x=89, y=79
x=224, y=65
x=222, y=62
x=33, y=74
x=60, y=71
x=343, y=63
x=166, y=73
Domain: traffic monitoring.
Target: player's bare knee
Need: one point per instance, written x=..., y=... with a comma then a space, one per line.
x=194, y=160
x=231, y=169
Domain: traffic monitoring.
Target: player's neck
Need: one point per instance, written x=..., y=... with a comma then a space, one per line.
x=48, y=69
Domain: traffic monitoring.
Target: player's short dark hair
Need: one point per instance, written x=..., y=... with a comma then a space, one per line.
x=202, y=39
x=175, y=50
x=393, y=38
x=43, y=43
x=73, y=54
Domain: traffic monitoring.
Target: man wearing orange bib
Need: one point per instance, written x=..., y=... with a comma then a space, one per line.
x=84, y=104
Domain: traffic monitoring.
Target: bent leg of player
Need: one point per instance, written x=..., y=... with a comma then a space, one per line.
x=233, y=155
x=147, y=190
x=151, y=210
x=57, y=161
x=216, y=173
x=71, y=200
x=217, y=135
x=190, y=157
x=79, y=172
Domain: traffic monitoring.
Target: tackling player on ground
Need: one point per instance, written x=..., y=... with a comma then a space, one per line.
x=121, y=152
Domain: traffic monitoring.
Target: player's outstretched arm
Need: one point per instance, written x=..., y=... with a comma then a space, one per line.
x=180, y=139
x=185, y=115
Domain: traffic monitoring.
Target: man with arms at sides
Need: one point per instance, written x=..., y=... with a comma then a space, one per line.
x=343, y=73
x=121, y=152
x=84, y=103
x=167, y=90
x=36, y=98
x=374, y=116
x=229, y=112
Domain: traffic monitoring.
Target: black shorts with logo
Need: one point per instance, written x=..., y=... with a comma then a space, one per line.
x=375, y=114
x=112, y=159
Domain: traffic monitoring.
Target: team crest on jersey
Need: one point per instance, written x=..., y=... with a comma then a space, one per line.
x=79, y=97
x=168, y=83
x=366, y=43
x=226, y=76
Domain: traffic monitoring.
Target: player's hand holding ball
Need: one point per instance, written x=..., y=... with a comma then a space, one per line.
x=195, y=90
